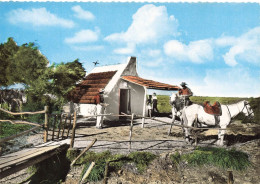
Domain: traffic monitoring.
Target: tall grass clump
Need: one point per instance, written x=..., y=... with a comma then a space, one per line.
x=219, y=157
x=141, y=160
x=100, y=160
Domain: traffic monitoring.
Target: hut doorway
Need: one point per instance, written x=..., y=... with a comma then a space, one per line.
x=124, y=106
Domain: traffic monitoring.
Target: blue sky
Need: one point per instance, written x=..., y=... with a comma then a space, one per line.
x=214, y=47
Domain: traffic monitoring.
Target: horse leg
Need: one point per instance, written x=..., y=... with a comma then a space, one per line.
x=187, y=135
x=173, y=119
x=221, y=134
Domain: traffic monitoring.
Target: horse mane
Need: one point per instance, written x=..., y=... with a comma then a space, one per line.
x=233, y=104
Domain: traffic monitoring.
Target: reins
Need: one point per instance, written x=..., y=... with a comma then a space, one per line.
x=245, y=106
x=229, y=112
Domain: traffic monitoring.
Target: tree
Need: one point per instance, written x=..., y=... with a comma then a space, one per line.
x=28, y=65
x=25, y=64
x=7, y=50
x=65, y=77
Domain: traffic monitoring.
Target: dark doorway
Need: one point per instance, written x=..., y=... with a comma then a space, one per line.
x=124, y=101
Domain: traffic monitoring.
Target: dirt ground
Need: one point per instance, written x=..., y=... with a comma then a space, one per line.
x=154, y=137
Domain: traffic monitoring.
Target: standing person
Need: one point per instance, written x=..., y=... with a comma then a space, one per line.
x=149, y=105
x=99, y=101
x=185, y=93
x=154, y=98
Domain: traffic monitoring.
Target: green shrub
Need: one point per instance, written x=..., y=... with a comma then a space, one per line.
x=100, y=160
x=220, y=157
x=97, y=173
x=72, y=154
x=176, y=158
x=141, y=159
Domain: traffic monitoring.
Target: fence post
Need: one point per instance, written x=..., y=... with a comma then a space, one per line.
x=69, y=127
x=85, y=150
x=230, y=177
x=58, y=135
x=106, y=172
x=73, y=130
x=131, y=128
x=64, y=125
x=53, y=129
x=87, y=172
x=45, y=136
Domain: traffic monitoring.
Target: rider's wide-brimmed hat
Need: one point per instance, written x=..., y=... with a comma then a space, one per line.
x=183, y=84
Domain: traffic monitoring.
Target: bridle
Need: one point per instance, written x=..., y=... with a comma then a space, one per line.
x=245, y=106
x=249, y=114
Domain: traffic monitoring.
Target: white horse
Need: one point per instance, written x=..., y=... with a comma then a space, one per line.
x=177, y=106
x=196, y=112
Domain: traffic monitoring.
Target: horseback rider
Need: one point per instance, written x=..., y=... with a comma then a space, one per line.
x=185, y=94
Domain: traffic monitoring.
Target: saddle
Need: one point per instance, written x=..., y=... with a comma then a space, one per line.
x=214, y=109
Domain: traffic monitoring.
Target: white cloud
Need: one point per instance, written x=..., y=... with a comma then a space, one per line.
x=38, y=17
x=225, y=41
x=88, y=48
x=127, y=50
x=83, y=36
x=196, y=51
x=150, y=24
x=236, y=82
x=82, y=14
x=245, y=47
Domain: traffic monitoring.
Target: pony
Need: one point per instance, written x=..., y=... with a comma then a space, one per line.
x=177, y=105
x=196, y=112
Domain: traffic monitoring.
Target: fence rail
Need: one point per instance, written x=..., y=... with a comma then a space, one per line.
x=62, y=124
x=134, y=116
x=38, y=126
x=22, y=113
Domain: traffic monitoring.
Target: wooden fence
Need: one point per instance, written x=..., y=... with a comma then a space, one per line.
x=132, y=117
x=60, y=125
x=37, y=126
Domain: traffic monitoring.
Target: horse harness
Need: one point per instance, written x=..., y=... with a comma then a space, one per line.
x=245, y=106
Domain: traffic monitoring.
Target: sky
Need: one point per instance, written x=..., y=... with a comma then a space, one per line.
x=213, y=47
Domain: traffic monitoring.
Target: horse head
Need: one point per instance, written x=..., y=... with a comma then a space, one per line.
x=247, y=110
x=173, y=98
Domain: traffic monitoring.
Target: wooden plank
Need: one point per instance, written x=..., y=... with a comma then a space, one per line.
x=32, y=161
x=24, y=157
x=13, y=156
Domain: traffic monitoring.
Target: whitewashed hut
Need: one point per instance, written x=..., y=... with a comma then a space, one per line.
x=124, y=90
